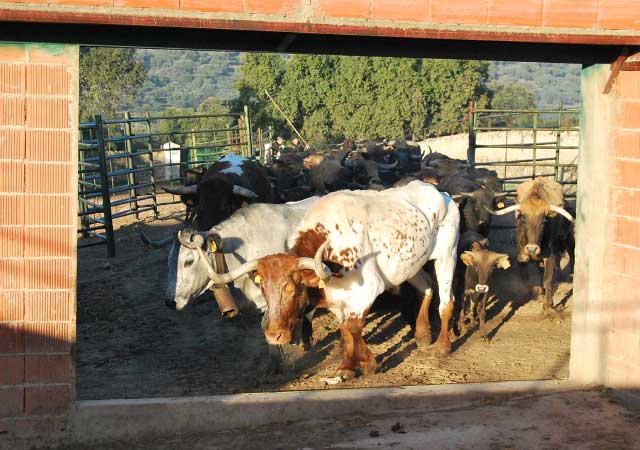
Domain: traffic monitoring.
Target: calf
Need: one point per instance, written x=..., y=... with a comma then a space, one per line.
x=479, y=263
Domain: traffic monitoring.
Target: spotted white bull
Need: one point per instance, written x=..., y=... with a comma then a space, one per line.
x=379, y=240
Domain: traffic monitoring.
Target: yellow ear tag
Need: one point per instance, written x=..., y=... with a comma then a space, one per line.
x=213, y=247
x=500, y=205
x=321, y=284
x=257, y=279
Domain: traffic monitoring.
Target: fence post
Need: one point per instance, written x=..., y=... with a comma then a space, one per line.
x=131, y=176
x=247, y=121
x=152, y=177
x=471, y=151
x=106, y=195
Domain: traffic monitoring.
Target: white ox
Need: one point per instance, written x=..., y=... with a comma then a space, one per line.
x=379, y=240
x=252, y=232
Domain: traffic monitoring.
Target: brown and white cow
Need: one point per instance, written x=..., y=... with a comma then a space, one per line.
x=544, y=231
x=373, y=241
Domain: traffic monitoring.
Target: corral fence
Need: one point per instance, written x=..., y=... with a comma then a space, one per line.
x=547, y=145
x=124, y=162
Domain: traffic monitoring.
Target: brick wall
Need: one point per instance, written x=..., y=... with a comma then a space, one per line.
x=575, y=16
x=623, y=252
x=38, y=129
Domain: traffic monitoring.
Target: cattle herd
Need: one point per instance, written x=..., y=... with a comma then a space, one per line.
x=336, y=230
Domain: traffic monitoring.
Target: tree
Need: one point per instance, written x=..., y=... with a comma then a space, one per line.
x=513, y=96
x=109, y=80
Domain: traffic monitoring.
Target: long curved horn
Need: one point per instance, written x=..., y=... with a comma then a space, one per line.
x=157, y=243
x=193, y=241
x=244, y=192
x=562, y=211
x=226, y=278
x=500, y=194
x=415, y=157
x=387, y=166
x=316, y=263
x=502, y=212
x=466, y=194
x=182, y=190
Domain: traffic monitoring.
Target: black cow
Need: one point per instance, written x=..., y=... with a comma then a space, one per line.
x=224, y=187
x=544, y=231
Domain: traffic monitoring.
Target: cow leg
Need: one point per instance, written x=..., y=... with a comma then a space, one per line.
x=550, y=265
x=444, y=272
x=482, y=315
x=363, y=358
x=347, y=369
x=422, y=283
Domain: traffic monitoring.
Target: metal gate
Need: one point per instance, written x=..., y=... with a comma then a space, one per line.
x=532, y=143
x=123, y=163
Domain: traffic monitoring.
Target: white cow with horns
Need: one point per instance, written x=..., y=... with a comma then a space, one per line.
x=373, y=241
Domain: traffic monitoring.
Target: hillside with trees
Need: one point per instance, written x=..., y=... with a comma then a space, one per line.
x=327, y=97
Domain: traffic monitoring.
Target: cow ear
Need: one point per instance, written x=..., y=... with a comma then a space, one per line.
x=503, y=261
x=309, y=278
x=467, y=258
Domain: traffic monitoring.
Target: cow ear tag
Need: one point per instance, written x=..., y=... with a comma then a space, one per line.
x=321, y=284
x=501, y=204
x=257, y=279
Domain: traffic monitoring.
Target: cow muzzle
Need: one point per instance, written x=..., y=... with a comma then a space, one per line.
x=278, y=337
x=482, y=288
x=532, y=250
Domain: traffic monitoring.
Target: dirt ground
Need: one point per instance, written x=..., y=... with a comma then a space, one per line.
x=556, y=421
x=130, y=345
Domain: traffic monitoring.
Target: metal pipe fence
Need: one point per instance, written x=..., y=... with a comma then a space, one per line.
x=123, y=163
x=522, y=161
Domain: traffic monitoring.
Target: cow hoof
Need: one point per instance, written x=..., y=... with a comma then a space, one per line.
x=551, y=314
x=440, y=350
x=368, y=368
x=346, y=374
x=423, y=343
x=484, y=339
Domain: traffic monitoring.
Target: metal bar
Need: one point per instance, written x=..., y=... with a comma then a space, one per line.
x=131, y=175
x=106, y=198
x=490, y=163
x=193, y=116
x=530, y=111
x=471, y=150
x=535, y=139
x=558, y=139
x=151, y=173
x=526, y=128
x=247, y=122
x=521, y=146
x=526, y=164
x=130, y=212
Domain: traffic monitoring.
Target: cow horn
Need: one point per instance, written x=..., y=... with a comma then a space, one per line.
x=315, y=264
x=190, y=239
x=158, y=243
x=244, y=192
x=562, y=211
x=182, y=190
x=466, y=194
x=415, y=157
x=500, y=194
x=225, y=278
x=390, y=166
x=502, y=212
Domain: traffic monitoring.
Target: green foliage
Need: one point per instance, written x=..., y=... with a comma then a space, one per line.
x=109, y=80
x=332, y=97
x=185, y=78
x=551, y=84
x=513, y=96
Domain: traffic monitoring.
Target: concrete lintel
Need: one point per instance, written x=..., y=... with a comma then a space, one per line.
x=105, y=420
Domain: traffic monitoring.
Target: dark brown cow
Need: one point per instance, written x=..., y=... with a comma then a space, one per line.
x=544, y=231
x=472, y=279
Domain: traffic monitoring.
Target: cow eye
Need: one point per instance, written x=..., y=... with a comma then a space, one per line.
x=188, y=263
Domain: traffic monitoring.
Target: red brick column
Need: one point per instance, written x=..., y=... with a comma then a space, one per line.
x=623, y=254
x=38, y=207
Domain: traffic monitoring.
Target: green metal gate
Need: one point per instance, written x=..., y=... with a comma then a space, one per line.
x=119, y=165
x=531, y=143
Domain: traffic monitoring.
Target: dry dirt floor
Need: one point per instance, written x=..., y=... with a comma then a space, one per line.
x=130, y=345
x=556, y=421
